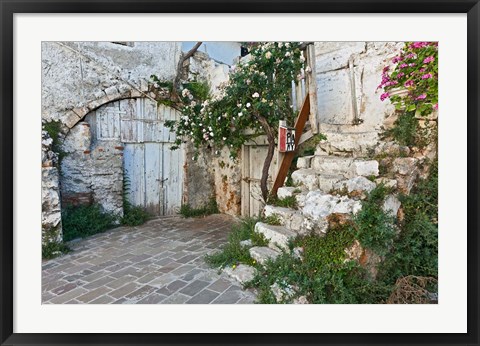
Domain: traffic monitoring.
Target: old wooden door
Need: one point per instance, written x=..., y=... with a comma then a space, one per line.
x=153, y=172
x=253, y=157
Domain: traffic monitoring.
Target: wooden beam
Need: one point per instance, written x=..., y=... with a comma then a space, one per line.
x=311, y=78
x=288, y=157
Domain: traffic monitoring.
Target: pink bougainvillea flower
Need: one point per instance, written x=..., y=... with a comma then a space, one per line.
x=384, y=96
x=421, y=97
x=386, y=68
x=411, y=56
x=427, y=76
x=400, y=75
x=397, y=59
x=419, y=44
x=411, y=64
x=428, y=60
x=435, y=106
x=408, y=83
x=403, y=65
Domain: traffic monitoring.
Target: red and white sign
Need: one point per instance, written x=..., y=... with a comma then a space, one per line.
x=286, y=138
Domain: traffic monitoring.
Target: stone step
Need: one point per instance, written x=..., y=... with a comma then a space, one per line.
x=318, y=205
x=326, y=182
x=349, y=142
x=289, y=218
x=242, y=273
x=345, y=167
x=262, y=253
x=287, y=191
x=359, y=184
x=307, y=177
x=304, y=161
x=278, y=236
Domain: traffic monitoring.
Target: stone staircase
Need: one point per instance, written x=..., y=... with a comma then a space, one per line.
x=323, y=184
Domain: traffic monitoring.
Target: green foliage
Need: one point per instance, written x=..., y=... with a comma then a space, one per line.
x=273, y=220
x=310, y=145
x=199, y=90
x=51, y=247
x=54, y=129
x=132, y=215
x=323, y=276
x=85, y=220
x=256, y=96
x=232, y=252
x=416, y=71
x=405, y=129
x=416, y=251
x=286, y=202
x=210, y=208
x=373, y=227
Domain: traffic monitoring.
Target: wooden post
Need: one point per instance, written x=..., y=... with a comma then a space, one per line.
x=311, y=78
x=288, y=157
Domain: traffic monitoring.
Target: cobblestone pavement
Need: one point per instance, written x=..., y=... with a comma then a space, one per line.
x=160, y=262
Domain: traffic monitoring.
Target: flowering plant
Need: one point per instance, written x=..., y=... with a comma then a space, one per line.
x=251, y=103
x=414, y=70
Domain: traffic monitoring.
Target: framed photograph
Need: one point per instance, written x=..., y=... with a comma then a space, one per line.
x=246, y=172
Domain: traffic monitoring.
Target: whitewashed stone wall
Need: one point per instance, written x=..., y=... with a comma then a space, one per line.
x=51, y=212
x=76, y=73
x=348, y=74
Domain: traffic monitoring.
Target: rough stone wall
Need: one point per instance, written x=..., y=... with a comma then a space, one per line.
x=51, y=212
x=92, y=171
x=213, y=174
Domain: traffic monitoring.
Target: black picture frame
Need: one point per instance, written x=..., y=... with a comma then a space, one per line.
x=7, y=175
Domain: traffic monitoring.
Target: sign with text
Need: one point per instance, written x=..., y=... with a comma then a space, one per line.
x=286, y=138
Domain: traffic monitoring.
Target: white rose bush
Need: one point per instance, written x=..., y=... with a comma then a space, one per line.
x=252, y=102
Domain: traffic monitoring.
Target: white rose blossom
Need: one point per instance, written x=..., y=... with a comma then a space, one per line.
x=268, y=55
x=255, y=95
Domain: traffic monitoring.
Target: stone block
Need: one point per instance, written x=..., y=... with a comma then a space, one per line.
x=319, y=205
x=391, y=205
x=365, y=168
x=359, y=183
x=404, y=165
x=262, y=253
x=242, y=273
x=276, y=235
x=331, y=165
x=70, y=119
x=285, y=191
x=306, y=177
x=304, y=161
x=326, y=182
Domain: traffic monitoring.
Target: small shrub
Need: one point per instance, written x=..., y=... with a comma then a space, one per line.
x=134, y=216
x=211, y=208
x=373, y=227
x=287, y=202
x=85, y=220
x=273, y=220
x=232, y=252
x=416, y=250
x=51, y=247
x=54, y=249
x=405, y=129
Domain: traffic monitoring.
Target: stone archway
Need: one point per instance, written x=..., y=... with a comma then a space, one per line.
x=126, y=136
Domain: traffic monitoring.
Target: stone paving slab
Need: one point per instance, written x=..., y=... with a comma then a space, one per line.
x=160, y=262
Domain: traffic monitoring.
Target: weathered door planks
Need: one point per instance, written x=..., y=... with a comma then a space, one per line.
x=154, y=172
